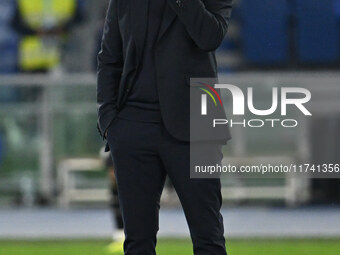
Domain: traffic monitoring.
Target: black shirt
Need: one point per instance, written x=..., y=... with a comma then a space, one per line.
x=143, y=103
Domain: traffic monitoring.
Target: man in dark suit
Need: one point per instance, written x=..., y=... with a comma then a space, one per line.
x=149, y=51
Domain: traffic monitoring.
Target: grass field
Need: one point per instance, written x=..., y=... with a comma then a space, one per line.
x=175, y=247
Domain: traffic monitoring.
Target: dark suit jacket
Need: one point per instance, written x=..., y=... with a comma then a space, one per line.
x=190, y=32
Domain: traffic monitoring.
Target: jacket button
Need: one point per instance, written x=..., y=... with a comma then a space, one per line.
x=179, y=3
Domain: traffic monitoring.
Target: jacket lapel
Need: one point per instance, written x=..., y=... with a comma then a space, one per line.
x=168, y=17
x=138, y=23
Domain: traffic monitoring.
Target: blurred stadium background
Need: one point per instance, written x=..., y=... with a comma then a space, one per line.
x=53, y=183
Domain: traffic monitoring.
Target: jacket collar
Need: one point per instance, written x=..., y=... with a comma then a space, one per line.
x=168, y=17
x=139, y=20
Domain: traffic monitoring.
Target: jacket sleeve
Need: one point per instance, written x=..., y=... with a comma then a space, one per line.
x=110, y=64
x=205, y=20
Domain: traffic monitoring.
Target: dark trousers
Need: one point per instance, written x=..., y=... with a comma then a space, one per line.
x=144, y=153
